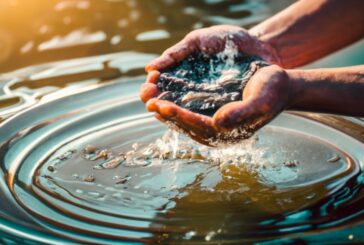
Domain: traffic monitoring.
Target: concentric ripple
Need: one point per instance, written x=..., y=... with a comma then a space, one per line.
x=81, y=161
x=94, y=167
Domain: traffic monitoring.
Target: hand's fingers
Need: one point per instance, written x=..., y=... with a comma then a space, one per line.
x=173, y=55
x=148, y=91
x=196, y=122
x=160, y=118
x=182, y=128
x=153, y=76
x=249, y=114
x=171, y=125
x=212, y=44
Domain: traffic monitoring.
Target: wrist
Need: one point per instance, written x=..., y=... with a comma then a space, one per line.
x=298, y=85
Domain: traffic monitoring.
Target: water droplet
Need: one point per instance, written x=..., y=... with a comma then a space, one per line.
x=124, y=180
x=94, y=154
x=135, y=146
x=89, y=178
x=334, y=159
x=67, y=155
x=113, y=163
x=291, y=164
x=103, y=154
x=90, y=149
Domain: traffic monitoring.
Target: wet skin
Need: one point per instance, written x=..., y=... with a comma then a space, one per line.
x=274, y=88
x=201, y=128
x=204, y=84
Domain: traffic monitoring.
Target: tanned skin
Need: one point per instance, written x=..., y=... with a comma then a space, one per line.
x=300, y=34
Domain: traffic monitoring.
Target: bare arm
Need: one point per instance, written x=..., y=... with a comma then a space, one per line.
x=311, y=29
x=300, y=34
x=336, y=90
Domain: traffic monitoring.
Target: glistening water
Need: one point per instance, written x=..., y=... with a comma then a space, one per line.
x=82, y=162
x=203, y=83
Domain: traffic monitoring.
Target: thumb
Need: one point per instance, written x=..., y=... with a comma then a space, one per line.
x=250, y=114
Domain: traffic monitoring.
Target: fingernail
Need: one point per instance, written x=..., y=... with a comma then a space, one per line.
x=150, y=67
x=148, y=91
x=153, y=76
x=151, y=105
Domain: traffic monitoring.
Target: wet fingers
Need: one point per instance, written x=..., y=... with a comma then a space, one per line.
x=249, y=115
x=148, y=91
x=153, y=76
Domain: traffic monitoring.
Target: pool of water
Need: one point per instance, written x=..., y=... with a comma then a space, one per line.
x=82, y=161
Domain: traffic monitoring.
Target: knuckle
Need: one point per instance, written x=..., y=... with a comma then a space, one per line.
x=221, y=122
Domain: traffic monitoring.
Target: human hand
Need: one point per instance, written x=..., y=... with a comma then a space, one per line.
x=212, y=40
x=207, y=40
x=204, y=129
x=267, y=94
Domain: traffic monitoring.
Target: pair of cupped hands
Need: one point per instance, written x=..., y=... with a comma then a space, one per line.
x=266, y=94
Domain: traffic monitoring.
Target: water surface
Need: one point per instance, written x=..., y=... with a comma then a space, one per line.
x=82, y=161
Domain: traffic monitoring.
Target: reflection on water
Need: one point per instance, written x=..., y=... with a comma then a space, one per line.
x=93, y=167
x=66, y=29
x=79, y=157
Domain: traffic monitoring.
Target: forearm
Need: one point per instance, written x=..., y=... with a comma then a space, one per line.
x=335, y=90
x=311, y=29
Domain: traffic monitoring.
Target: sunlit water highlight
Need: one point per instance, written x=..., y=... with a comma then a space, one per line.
x=82, y=162
x=92, y=166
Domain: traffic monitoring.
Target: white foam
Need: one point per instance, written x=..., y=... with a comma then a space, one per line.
x=228, y=67
x=176, y=148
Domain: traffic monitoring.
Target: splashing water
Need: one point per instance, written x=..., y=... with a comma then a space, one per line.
x=228, y=68
x=204, y=83
x=248, y=154
x=138, y=182
x=55, y=191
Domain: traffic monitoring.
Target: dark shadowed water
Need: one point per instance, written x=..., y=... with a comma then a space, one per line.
x=82, y=162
